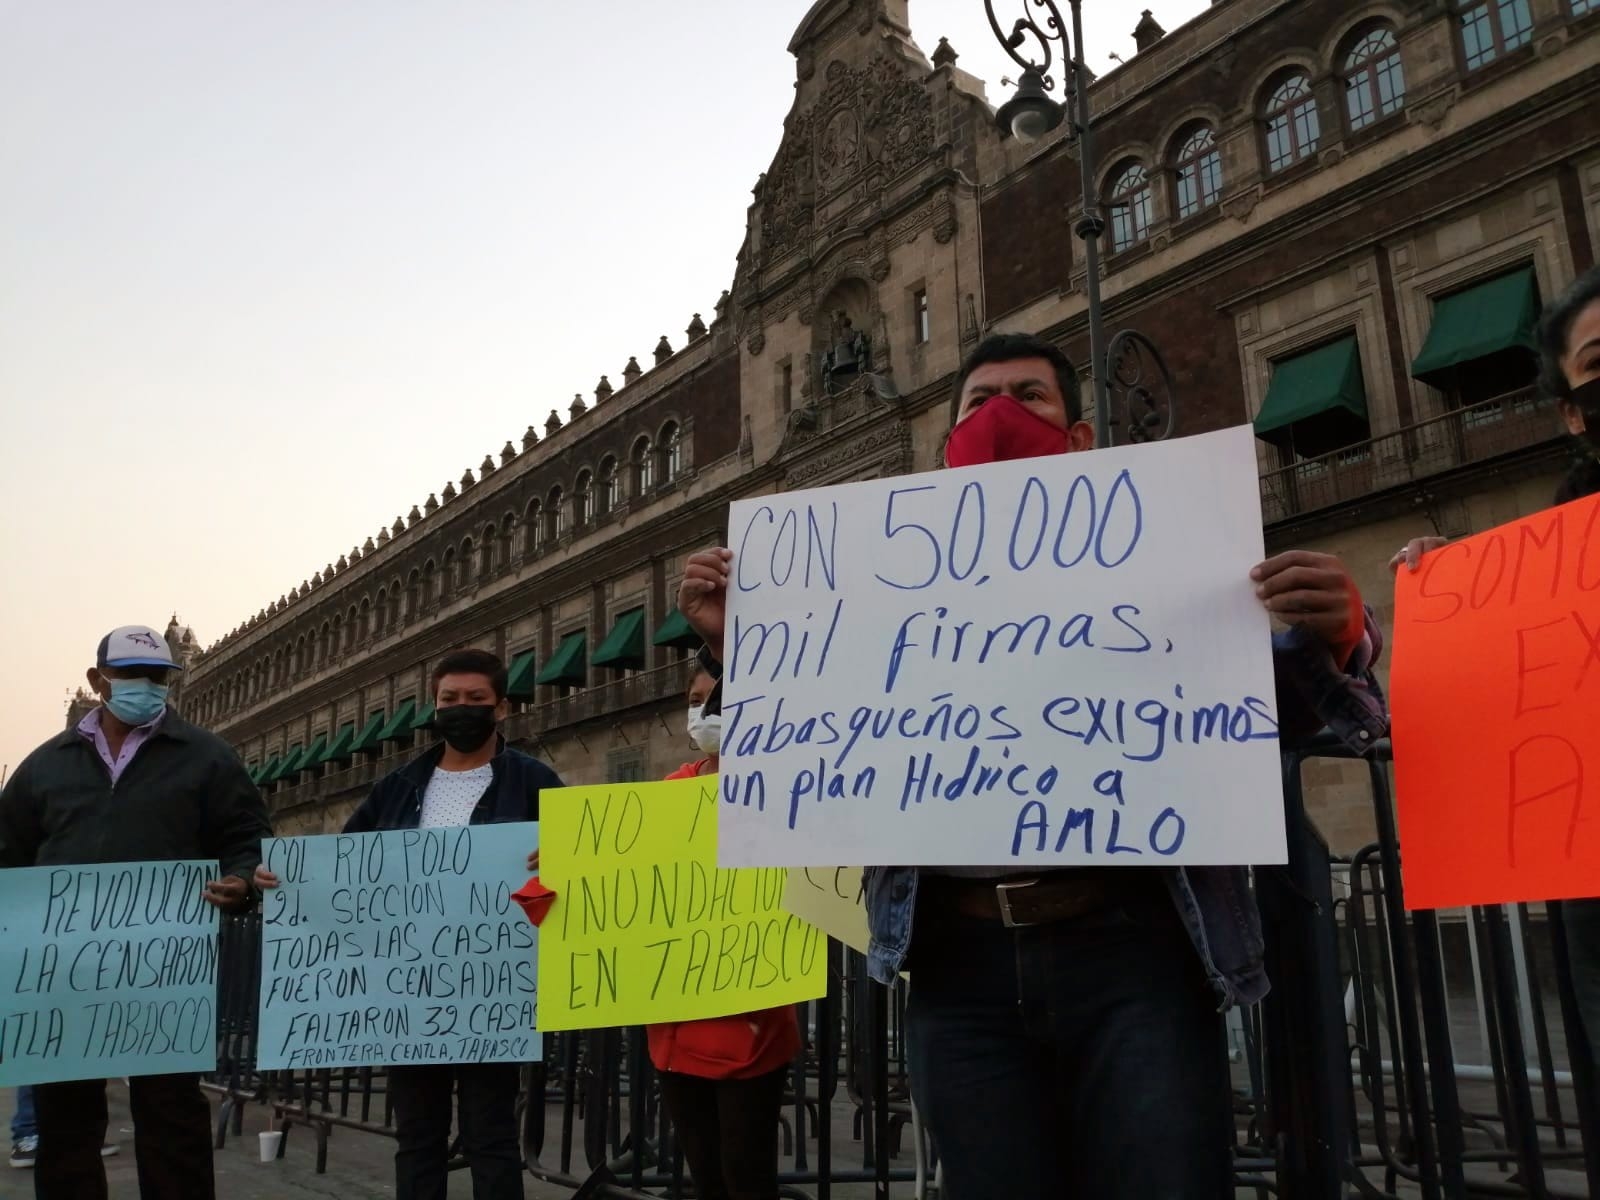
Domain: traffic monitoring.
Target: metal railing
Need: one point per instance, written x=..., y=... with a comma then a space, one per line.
x=1432, y=1054
x=1475, y=433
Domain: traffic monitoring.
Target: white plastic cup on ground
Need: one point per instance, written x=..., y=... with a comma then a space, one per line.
x=270, y=1141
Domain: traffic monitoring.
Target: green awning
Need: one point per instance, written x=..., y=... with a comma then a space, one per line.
x=566, y=665
x=519, y=676
x=280, y=766
x=623, y=649
x=370, y=735
x=339, y=748
x=1498, y=314
x=399, y=725
x=675, y=631
x=424, y=716
x=255, y=771
x=309, y=757
x=1316, y=401
x=270, y=771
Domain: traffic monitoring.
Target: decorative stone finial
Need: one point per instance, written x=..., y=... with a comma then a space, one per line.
x=342, y=564
x=697, y=328
x=722, y=304
x=449, y=492
x=431, y=507
x=631, y=371
x=467, y=479
x=486, y=467
x=944, y=54
x=530, y=439
x=1148, y=33
x=507, y=453
x=552, y=423
x=603, y=390
x=577, y=408
x=663, y=350
x=367, y=547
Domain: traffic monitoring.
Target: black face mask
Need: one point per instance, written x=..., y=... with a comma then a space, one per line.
x=465, y=726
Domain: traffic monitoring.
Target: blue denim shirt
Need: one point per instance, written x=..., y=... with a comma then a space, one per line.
x=1214, y=902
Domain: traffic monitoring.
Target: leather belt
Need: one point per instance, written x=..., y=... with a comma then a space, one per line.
x=1028, y=900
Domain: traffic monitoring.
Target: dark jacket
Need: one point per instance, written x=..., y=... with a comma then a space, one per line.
x=184, y=795
x=513, y=795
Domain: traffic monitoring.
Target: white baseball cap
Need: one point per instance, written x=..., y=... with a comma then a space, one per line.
x=135, y=646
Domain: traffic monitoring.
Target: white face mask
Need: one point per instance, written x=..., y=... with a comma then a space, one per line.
x=705, y=732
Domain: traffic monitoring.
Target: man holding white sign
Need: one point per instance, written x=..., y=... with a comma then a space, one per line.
x=1061, y=671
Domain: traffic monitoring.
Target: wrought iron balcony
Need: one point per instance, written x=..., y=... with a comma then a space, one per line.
x=1462, y=437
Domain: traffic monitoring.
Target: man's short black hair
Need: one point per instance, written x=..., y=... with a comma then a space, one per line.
x=1008, y=347
x=472, y=662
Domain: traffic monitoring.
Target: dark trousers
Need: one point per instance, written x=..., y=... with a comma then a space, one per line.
x=488, y=1107
x=1582, y=919
x=171, y=1139
x=1083, y=1059
x=728, y=1129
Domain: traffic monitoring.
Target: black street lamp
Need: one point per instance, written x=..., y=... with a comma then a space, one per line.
x=1130, y=366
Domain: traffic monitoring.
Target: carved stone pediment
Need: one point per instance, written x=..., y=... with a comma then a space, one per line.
x=881, y=449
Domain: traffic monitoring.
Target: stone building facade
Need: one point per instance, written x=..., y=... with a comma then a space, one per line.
x=1336, y=219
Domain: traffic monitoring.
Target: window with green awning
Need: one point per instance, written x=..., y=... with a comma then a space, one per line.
x=281, y=766
x=399, y=725
x=520, y=682
x=254, y=771
x=424, y=716
x=371, y=734
x=1316, y=401
x=1486, y=320
x=567, y=666
x=623, y=649
x=339, y=749
x=309, y=757
x=675, y=631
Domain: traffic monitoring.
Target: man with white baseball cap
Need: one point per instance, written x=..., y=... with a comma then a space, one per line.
x=132, y=782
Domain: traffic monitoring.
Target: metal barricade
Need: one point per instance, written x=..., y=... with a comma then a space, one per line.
x=1430, y=1053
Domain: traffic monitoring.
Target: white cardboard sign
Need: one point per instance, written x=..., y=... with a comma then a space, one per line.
x=1059, y=661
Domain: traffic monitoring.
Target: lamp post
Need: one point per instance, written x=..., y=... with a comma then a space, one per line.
x=1129, y=366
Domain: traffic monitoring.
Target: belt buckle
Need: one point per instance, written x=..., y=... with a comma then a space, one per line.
x=1002, y=893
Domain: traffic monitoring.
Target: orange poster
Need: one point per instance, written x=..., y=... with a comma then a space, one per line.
x=1496, y=714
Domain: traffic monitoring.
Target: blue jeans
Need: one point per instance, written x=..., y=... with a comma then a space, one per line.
x=1082, y=1059
x=23, y=1123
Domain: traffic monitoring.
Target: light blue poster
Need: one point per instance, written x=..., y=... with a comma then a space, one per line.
x=107, y=970
x=401, y=947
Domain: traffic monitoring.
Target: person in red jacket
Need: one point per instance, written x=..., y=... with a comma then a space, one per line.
x=722, y=1078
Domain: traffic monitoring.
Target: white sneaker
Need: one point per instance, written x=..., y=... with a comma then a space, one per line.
x=108, y=1149
x=24, y=1152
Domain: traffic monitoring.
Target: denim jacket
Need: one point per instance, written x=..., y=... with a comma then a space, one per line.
x=1214, y=902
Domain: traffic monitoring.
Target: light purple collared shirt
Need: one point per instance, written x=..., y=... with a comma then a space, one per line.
x=89, y=729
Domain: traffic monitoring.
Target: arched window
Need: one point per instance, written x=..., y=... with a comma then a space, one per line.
x=1129, y=202
x=533, y=528
x=394, y=604
x=582, y=493
x=464, y=564
x=415, y=596
x=1490, y=28
x=380, y=613
x=447, y=574
x=1197, y=170
x=605, y=487
x=1374, y=79
x=1580, y=7
x=486, y=553
x=644, y=467
x=553, y=524
x=326, y=645
x=1293, y=128
x=670, y=447
x=508, y=529
x=364, y=620
x=429, y=592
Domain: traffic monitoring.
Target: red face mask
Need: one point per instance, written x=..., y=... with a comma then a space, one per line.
x=1001, y=430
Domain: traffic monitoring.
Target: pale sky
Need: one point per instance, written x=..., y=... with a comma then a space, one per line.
x=271, y=273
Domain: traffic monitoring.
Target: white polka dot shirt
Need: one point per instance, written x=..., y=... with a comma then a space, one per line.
x=452, y=795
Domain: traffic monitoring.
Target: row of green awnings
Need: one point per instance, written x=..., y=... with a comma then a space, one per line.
x=623, y=649
x=1316, y=401
x=399, y=725
x=520, y=682
x=339, y=749
x=1479, y=322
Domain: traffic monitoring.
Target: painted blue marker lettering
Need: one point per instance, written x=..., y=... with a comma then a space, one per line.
x=825, y=556
x=789, y=525
x=1033, y=487
x=1123, y=487
x=891, y=531
x=1169, y=816
x=1033, y=816
x=1075, y=504
x=738, y=562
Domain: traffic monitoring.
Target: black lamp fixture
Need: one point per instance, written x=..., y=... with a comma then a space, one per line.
x=1130, y=370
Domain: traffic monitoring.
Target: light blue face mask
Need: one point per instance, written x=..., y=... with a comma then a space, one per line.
x=136, y=701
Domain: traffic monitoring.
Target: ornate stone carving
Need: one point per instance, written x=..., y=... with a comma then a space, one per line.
x=867, y=127
x=756, y=342
x=894, y=437
x=1432, y=111
x=944, y=217
x=1241, y=206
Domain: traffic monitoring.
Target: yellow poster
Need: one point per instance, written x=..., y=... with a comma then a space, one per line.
x=830, y=898
x=646, y=927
